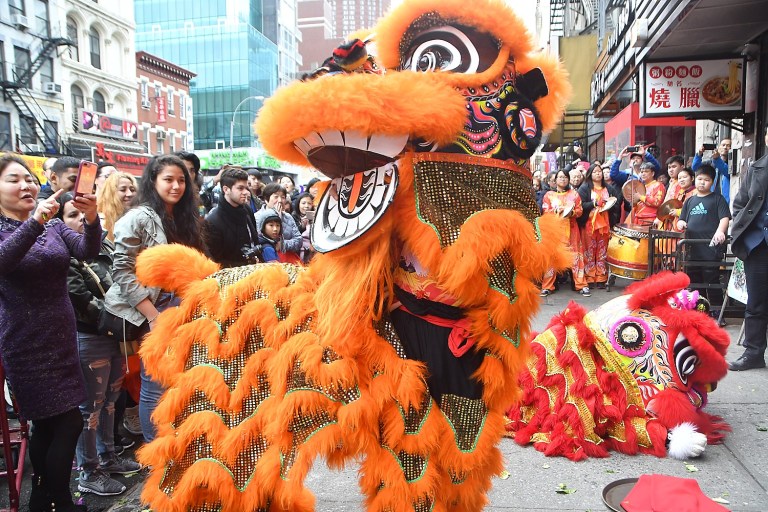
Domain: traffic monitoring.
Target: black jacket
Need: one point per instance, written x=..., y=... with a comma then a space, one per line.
x=227, y=232
x=748, y=203
x=87, y=283
x=614, y=214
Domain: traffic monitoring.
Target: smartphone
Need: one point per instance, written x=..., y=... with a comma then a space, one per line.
x=709, y=147
x=632, y=149
x=86, y=178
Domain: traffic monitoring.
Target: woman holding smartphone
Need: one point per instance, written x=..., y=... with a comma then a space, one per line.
x=166, y=213
x=38, y=334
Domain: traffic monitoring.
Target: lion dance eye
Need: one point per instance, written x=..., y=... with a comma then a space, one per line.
x=448, y=48
x=686, y=359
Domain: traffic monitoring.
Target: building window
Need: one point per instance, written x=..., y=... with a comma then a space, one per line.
x=99, y=103
x=145, y=137
x=27, y=132
x=41, y=16
x=2, y=61
x=74, y=50
x=160, y=142
x=46, y=71
x=51, y=129
x=171, y=109
x=182, y=106
x=172, y=143
x=184, y=142
x=6, y=142
x=95, y=41
x=22, y=62
x=16, y=7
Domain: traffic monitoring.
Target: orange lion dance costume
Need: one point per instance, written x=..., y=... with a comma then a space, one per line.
x=400, y=344
x=632, y=376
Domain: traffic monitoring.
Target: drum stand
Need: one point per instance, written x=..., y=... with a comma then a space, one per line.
x=14, y=442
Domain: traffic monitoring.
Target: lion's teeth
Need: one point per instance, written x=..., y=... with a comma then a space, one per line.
x=332, y=138
x=302, y=145
x=355, y=139
x=387, y=145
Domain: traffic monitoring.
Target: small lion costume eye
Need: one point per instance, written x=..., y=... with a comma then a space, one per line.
x=450, y=48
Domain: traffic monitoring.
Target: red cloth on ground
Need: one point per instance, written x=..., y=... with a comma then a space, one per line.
x=662, y=493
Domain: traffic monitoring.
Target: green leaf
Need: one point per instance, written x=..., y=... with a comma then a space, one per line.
x=545, y=466
x=721, y=501
x=564, y=489
x=690, y=467
x=504, y=475
x=762, y=428
x=610, y=470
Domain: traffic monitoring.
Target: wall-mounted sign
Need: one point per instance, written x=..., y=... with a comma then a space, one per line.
x=693, y=88
x=162, y=109
x=102, y=124
x=125, y=161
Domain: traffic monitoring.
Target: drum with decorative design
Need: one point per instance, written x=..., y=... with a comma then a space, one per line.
x=628, y=251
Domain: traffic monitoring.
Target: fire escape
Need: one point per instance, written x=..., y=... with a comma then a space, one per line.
x=18, y=92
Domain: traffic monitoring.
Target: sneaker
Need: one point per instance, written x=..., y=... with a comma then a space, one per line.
x=99, y=483
x=585, y=292
x=132, y=424
x=544, y=293
x=122, y=444
x=119, y=466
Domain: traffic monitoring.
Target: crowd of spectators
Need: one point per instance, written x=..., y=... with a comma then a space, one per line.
x=68, y=374
x=597, y=196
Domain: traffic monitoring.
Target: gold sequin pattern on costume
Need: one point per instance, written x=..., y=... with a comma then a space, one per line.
x=242, y=471
x=466, y=417
x=200, y=402
x=425, y=21
x=414, y=418
x=303, y=427
x=413, y=465
x=503, y=274
x=512, y=337
x=616, y=429
x=231, y=369
x=450, y=192
x=298, y=381
x=386, y=330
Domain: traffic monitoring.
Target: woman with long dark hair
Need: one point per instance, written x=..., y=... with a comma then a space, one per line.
x=165, y=212
x=565, y=201
x=595, y=226
x=38, y=334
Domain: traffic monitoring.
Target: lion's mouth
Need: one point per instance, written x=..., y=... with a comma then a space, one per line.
x=364, y=177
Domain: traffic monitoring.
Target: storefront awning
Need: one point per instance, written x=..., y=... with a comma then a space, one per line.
x=711, y=28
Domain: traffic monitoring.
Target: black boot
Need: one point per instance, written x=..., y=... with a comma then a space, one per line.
x=39, y=501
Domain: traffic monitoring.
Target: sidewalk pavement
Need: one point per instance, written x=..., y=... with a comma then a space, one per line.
x=735, y=472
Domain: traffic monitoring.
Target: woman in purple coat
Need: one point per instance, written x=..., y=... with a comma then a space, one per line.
x=38, y=337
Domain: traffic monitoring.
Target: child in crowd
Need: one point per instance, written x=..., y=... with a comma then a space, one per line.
x=270, y=228
x=705, y=215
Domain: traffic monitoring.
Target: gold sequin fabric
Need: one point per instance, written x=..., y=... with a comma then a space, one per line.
x=448, y=192
x=503, y=274
x=466, y=417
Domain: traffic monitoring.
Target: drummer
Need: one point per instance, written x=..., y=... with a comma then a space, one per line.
x=644, y=209
x=565, y=201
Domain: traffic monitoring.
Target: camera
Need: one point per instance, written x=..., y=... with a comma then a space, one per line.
x=251, y=253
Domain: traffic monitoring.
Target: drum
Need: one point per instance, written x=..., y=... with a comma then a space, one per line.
x=628, y=251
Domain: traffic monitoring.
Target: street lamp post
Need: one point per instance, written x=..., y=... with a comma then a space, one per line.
x=232, y=125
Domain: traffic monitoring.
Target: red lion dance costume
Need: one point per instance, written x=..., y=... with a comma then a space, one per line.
x=400, y=345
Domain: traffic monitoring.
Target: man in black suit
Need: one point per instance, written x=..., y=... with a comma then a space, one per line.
x=750, y=244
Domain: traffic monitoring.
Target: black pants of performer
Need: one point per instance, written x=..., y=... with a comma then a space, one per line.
x=52, y=449
x=756, y=316
x=428, y=343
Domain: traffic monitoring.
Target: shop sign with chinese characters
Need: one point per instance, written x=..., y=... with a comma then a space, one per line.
x=696, y=88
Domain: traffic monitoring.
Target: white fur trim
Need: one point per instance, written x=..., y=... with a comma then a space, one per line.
x=685, y=441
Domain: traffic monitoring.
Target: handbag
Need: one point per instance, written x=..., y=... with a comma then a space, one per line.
x=119, y=329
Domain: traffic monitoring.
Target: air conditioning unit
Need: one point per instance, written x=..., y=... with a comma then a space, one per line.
x=20, y=21
x=160, y=135
x=34, y=148
x=146, y=104
x=51, y=88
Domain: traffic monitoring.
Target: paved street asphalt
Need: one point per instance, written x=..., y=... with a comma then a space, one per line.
x=735, y=472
